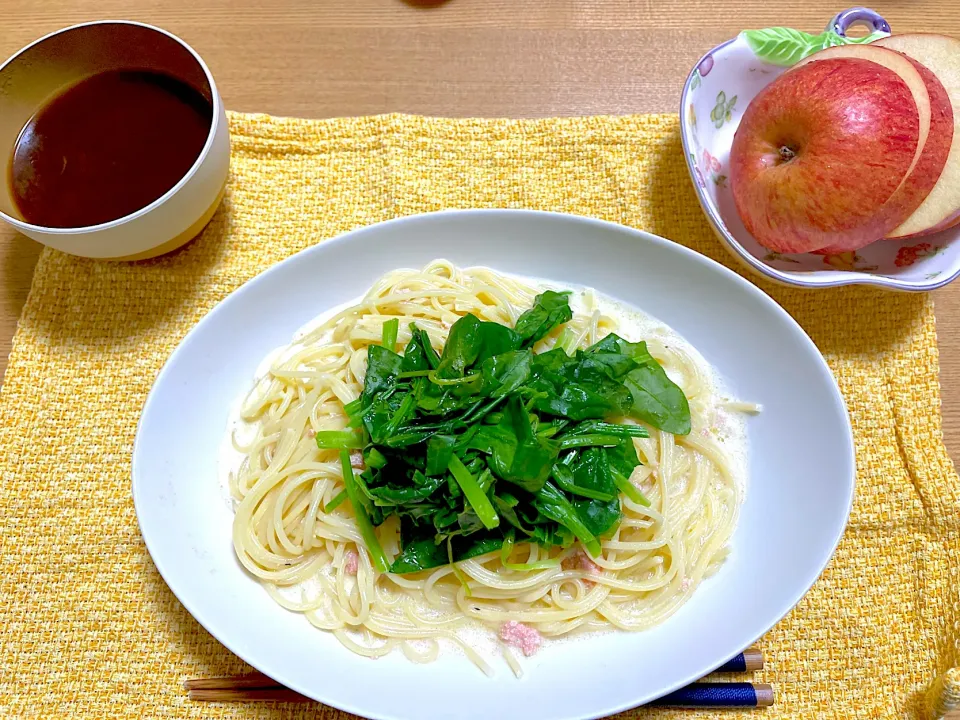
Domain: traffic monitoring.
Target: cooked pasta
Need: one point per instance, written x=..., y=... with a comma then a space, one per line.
x=312, y=560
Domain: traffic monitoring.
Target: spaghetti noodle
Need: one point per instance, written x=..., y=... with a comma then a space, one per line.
x=310, y=557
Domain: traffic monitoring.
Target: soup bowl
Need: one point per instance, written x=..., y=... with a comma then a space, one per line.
x=45, y=68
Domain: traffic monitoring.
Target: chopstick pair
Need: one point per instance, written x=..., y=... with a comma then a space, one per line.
x=724, y=695
x=259, y=687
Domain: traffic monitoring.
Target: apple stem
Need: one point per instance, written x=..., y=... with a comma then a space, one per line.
x=787, y=153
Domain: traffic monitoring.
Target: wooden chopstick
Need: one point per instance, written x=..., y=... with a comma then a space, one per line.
x=719, y=695
x=257, y=687
x=701, y=695
x=254, y=681
x=749, y=660
x=277, y=693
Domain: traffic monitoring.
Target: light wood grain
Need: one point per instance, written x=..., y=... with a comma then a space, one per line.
x=518, y=58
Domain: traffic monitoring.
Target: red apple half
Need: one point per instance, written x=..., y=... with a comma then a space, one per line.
x=820, y=151
x=936, y=128
x=940, y=55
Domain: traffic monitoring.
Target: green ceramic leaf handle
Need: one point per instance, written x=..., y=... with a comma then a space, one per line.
x=785, y=46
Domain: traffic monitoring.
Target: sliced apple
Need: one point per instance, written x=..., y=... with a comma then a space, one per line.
x=941, y=55
x=950, y=223
x=821, y=150
x=936, y=130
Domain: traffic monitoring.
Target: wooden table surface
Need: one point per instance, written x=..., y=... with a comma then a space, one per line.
x=516, y=58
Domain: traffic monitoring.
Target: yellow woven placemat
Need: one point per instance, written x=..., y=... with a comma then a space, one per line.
x=88, y=628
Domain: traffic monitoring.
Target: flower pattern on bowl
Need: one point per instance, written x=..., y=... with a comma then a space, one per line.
x=714, y=97
x=723, y=111
x=909, y=254
x=714, y=169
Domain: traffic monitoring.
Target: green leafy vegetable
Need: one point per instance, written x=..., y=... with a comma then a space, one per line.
x=391, y=328
x=373, y=457
x=516, y=454
x=488, y=443
x=463, y=346
x=335, y=502
x=657, y=399
x=564, y=477
x=549, y=310
x=479, y=502
x=572, y=441
x=423, y=553
x=504, y=373
x=630, y=490
x=552, y=503
x=367, y=532
x=439, y=454
x=382, y=368
x=339, y=440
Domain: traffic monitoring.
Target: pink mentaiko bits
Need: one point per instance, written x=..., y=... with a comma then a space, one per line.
x=520, y=636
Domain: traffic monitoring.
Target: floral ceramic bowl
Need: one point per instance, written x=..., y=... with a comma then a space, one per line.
x=714, y=97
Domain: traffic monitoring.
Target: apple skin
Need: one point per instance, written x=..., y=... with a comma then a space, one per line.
x=941, y=55
x=818, y=153
x=935, y=153
x=936, y=127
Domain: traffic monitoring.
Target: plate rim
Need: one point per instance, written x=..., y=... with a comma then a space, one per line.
x=691, y=255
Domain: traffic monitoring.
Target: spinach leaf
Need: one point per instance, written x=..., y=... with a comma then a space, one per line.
x=496, y=339
x=601, y=517
x=504, y=373
x=553, y=536
x=373, y=458
x=417, y=555
x=623, y=457
x=415, y=356
x=506, y=506
x=463, y=346
x=574, y=387
x=421, y=489
x=616, y=345
x=439, y=452
x=550, y=309
x=552, y=503
x=553, y=363
x=517, y=455
x=602, y=367
x=658, y=400
x=591, y=470
x=383, y=366
x=563, y=476
x=579, y=401
x=421, y=551
x=461, y=446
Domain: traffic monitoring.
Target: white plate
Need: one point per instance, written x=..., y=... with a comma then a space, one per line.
x=797, y=501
